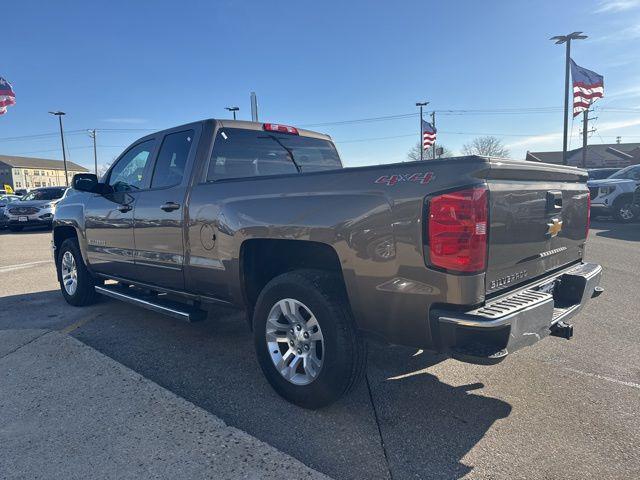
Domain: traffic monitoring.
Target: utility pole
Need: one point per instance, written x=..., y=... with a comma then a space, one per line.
x=585, y=132
x=560, y=39
x=254, y=107
x=60, y=114
x=233, y=109
x=420, y=141
x=433, y=124
x=618, y=139
x=92, y=134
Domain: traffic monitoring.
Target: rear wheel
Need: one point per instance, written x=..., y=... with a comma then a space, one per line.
x=76, y=283
x=623, y=210
x=306, y=340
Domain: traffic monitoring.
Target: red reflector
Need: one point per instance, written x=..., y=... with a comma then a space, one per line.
x=588, y=214
x=274, y=127
x=457, y=230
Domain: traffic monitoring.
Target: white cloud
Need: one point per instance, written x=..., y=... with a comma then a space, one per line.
x=550, y=141
x=127, y=120
x=617, y=5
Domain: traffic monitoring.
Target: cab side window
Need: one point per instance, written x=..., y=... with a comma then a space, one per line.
x=634, y=174
x=172, y=159
x=128, y=173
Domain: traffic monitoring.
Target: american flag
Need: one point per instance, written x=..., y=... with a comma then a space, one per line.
x=587, y=87
x=7, y=97
x=428, y=135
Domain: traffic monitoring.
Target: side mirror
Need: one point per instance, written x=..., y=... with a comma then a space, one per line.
x=88, y=182
x=85, y=182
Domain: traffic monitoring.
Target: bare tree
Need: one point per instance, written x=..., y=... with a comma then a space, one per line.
x=414, y=153
x=487, y=146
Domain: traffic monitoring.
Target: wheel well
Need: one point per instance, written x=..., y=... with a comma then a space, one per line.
x=264, y=259
x=60, y=234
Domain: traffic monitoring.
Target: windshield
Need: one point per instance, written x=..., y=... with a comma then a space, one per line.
x=630, y=172
x=252, y=153
x=44, y=194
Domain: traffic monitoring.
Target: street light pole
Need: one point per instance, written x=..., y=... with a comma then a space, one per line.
x=421, y=104
x=233, y=109
x=60, y=114
x=560, y=39
x=92, y=134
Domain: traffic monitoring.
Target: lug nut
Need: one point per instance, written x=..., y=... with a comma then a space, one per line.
x=299, y=351
x=291, y=343
x=298, y=327
x=291, y=331
x=306, y=347
x=306, y=335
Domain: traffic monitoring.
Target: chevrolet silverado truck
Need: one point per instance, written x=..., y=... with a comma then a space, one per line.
x=469, y=256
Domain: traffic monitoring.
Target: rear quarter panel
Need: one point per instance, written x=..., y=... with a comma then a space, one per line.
x=371, y=216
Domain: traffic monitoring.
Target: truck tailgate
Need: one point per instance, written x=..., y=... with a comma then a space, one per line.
x=538, y=217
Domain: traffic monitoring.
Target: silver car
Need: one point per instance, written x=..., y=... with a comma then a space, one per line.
x=36, y=208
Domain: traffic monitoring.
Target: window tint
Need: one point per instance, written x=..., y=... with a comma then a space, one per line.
x=172, y=159
x=128, y=173
x=246, y=153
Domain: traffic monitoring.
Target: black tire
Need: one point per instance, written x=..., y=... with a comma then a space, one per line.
x=85, y=293
x=14, y=228
x=623, y=210
x=344, y=351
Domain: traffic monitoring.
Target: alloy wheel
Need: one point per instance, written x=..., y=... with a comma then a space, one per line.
x=295, y=341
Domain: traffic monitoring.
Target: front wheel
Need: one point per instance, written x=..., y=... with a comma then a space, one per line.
x=306, y=340
x=623, y=210
x=76, y=283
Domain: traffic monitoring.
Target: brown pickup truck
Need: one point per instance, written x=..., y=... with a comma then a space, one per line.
x=469, y=256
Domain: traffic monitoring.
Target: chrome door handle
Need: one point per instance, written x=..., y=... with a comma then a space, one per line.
x=124, y=208
x=170, y=206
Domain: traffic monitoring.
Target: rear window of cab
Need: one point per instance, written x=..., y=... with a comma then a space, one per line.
x=240, y=153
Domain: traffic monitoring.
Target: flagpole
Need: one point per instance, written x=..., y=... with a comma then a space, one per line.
x=560, y=39
x=421, y=104
x=566, y=103
x=433, y=124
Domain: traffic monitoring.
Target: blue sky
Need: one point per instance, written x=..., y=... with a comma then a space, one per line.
x=144, y=65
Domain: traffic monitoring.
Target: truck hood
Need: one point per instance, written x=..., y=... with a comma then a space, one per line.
x=33, y=203
x=609, y=181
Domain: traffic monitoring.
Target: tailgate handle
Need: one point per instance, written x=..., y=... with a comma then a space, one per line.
x=554, y=201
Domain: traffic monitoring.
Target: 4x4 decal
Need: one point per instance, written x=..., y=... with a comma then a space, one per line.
x=422, y=178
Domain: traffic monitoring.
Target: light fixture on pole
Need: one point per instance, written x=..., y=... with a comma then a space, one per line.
x=560, y=39
x=60, y=114
x=233, y=109
x=421, y=104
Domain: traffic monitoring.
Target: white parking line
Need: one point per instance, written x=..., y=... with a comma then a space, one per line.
x=20, y=266
x=602, y=377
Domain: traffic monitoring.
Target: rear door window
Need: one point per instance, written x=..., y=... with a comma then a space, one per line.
x=241, y=153
x=172, y=159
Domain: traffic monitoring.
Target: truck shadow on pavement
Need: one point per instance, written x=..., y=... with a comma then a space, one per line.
x=402, y=421
x=619, y=231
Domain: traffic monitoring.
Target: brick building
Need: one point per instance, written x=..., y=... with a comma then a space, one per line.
x=25, y=172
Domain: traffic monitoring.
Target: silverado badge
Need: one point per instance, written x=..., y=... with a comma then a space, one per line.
x=554, y=227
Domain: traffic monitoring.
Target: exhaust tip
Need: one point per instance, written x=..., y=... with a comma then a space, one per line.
x=597, y=292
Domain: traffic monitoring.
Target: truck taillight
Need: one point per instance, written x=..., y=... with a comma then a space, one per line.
x=275, y=127
x=588, y=214
x=457, y=230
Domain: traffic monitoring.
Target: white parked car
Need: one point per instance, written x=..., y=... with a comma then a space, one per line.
x=614, y=195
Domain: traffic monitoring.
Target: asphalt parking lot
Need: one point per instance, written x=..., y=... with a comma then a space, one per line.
x=560, y=409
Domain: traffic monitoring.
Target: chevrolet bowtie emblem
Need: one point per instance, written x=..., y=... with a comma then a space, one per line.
x=554, y=227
